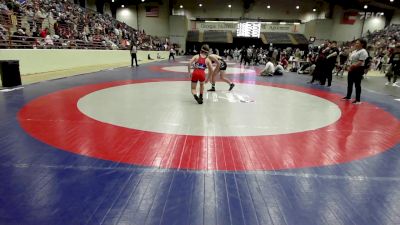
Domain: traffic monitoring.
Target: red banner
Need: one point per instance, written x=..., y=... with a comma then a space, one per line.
x=349, y=17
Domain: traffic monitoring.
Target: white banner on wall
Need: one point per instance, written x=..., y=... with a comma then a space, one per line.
x=288, y=28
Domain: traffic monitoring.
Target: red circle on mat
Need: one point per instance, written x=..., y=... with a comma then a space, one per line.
x=362, y=131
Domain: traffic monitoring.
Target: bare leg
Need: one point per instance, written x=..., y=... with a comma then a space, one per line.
x=222, y=76
x=194, y=92
x=193, y=86
x=212, y=82
x=201, y=88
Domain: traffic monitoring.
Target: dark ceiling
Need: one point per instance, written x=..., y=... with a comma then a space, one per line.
x=373, y=5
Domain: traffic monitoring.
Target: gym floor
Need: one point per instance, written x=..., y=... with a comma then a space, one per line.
x=130, y=145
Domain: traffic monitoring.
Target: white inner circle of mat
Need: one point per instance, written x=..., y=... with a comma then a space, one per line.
x=169, y=107
x=227, y=63
x=229, y=70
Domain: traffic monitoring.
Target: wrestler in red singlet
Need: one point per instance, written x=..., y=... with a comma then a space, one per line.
x=199, y=73
x=200, y=62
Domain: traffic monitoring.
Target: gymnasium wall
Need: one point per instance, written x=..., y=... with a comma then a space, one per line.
x=107, y=8
x=48, y=60
x=157, y=26
x=335, y=29
x=91, y=4
x=284, y=9
x=178, y=30
x=346, y=32
x=128, y=15
x=396, y=17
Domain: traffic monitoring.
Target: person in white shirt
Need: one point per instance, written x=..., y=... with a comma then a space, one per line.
x=356, y=70
x=133, y=54
x=269, y=68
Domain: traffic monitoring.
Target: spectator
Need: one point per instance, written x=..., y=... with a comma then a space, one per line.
x=356, y=70
x=269, y=69
x=133, y=54
x=171, y=53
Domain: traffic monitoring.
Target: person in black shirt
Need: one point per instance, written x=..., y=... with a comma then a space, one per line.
x=317, y=74
x=331, y=57
x=395, y=66
x=343, y=56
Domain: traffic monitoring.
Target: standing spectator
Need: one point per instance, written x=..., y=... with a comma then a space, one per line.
x=331, y=59
x=133, y=54
x=343, y=55
x=319, y=64
x=171, y=53
x=275, y=55
x=395, y=67
x=243, y=54
x=356, y=70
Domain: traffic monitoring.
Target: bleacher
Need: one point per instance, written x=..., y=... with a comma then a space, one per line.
x=193, y=36
x=277, y=37
x=228, y=36
x=300, y=39
x=20, y=27
x=216, y=36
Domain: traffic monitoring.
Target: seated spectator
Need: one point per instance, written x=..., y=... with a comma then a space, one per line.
x=279, y=69
x=284, y=62
x=48, y=41
x=269, y=69
x=44, y=32
x=149, y=57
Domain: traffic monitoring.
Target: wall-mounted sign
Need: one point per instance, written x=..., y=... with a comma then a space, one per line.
x=366, y=15
x=263, y=27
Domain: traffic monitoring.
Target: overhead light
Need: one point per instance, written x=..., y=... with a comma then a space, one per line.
x=181, y=6
x=365, y=7
x=391, y=0
x=200, y=5
x=268, y=22
x=282, y=23
x=382, y=14
x=112, y=0
x=142, y=0
x=268, y=6
x=314, y=10
x=122, y=6
x=296, y=23
x=230, y=6
x=297, y=7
